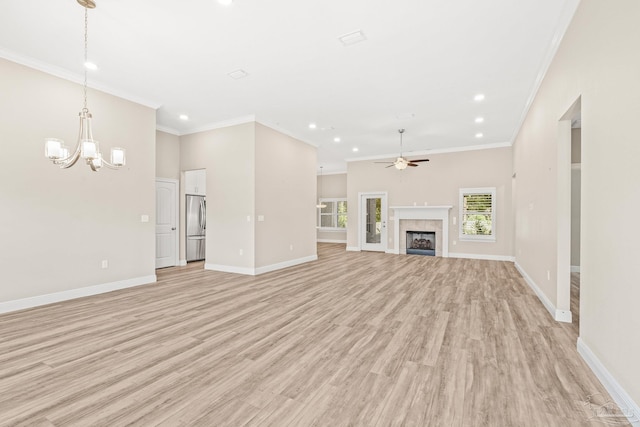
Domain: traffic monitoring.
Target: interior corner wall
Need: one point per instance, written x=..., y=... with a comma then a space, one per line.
x=285, y=183
x=228, y=155
x=333, y=186
x=438, y=183
x=57, y=226
x=595, y=62
x=167, y=155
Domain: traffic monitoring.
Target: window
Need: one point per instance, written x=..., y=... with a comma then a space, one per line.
x=477, y=213
x=334, y=215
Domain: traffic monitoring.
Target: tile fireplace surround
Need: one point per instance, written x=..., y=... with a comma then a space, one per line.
x=436, y=217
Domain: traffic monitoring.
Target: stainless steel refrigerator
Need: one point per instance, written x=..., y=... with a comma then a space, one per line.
x=196, y=221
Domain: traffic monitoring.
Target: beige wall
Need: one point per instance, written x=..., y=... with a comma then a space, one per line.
x=576, y=145
x=56, y=226
x=228, y=155
x=334, y=185
x=575, y=216
x=597, y=62
x=438, y=183
x=253, y=171
x=167, y=155
x=285, y=198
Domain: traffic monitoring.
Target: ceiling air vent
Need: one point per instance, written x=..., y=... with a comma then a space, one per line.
x=352, y=38
x=238, y=74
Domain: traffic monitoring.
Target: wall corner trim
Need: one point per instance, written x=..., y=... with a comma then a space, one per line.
x=260, y=270
x=626, y=404
x=558, y=315
x=31, y=302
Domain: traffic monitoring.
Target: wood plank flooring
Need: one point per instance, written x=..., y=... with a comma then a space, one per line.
x=354, y=339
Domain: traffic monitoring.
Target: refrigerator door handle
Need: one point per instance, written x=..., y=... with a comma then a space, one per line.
x=203, y=216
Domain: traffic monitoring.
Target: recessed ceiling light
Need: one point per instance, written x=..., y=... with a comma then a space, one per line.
x=354, y=149
x=479, y=135
x=90, y=66
x=336, y=139
x=352, y=38
x=479, y=97
x=479, y=119
x=184, y=117
x=312, y=126
x=238, y=74
x=225, y=2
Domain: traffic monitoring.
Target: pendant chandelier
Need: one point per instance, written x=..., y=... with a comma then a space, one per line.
x=86, y=148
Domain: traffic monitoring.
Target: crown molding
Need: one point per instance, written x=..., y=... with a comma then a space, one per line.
x=434, y=151
x=73, y=77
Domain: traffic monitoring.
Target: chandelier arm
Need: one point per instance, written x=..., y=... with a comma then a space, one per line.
x=109, y=165
x=71, y=160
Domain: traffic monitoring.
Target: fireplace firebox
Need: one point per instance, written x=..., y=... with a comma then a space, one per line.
x=421, y=243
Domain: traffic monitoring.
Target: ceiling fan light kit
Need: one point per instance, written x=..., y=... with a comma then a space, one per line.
x=400, y=162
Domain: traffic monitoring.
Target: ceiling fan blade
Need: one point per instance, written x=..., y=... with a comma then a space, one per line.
x=412, y=164
x=420, y=160
x=383, y=162
x=390, y=166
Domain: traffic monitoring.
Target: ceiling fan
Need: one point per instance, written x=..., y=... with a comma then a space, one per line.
x=402, y=162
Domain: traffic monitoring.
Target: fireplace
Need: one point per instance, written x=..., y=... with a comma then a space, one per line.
x=430, y=218
x=421, y=243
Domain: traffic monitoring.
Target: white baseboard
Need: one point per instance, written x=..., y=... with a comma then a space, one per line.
x=332, y=241
x=558, y=315
x=182, y=263
x=392, y=251
x=285, y=264
x=230, y=269
x=260, y=270
x=626, y=404
x=575, y=269
x=24, y=303
x=353, y=248
x=483, y=257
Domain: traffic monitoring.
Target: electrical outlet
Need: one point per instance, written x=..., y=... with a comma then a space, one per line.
x=455, y=243
x=241, y=252
x=144, y=218
x=105, y=263
x=290, y=247
x=548, y=275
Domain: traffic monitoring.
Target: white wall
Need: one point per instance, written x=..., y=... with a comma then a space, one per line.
x=438, y=183
x=597, y=61
x=56, y=226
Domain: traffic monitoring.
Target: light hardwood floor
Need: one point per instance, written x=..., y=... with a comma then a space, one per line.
x=354, y=339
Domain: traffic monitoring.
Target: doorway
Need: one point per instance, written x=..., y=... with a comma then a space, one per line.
x=373, y=221
x=166, y=222
x=567, y=238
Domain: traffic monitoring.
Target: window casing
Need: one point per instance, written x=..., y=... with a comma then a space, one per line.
x=334, y=215
x=477, y=214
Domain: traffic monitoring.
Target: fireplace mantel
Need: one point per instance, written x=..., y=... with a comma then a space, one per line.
x=422, y=212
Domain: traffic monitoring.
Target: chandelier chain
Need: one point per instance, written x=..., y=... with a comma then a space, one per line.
x=86, y=26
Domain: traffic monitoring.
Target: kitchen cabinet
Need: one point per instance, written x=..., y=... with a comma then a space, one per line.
x=195, y=182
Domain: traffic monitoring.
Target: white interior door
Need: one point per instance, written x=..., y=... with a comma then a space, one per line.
x=166, y=223
x=373, y=221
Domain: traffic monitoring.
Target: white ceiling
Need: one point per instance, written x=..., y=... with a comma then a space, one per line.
x=419, y=68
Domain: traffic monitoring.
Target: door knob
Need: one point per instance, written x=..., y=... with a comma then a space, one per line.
x=173, y=228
